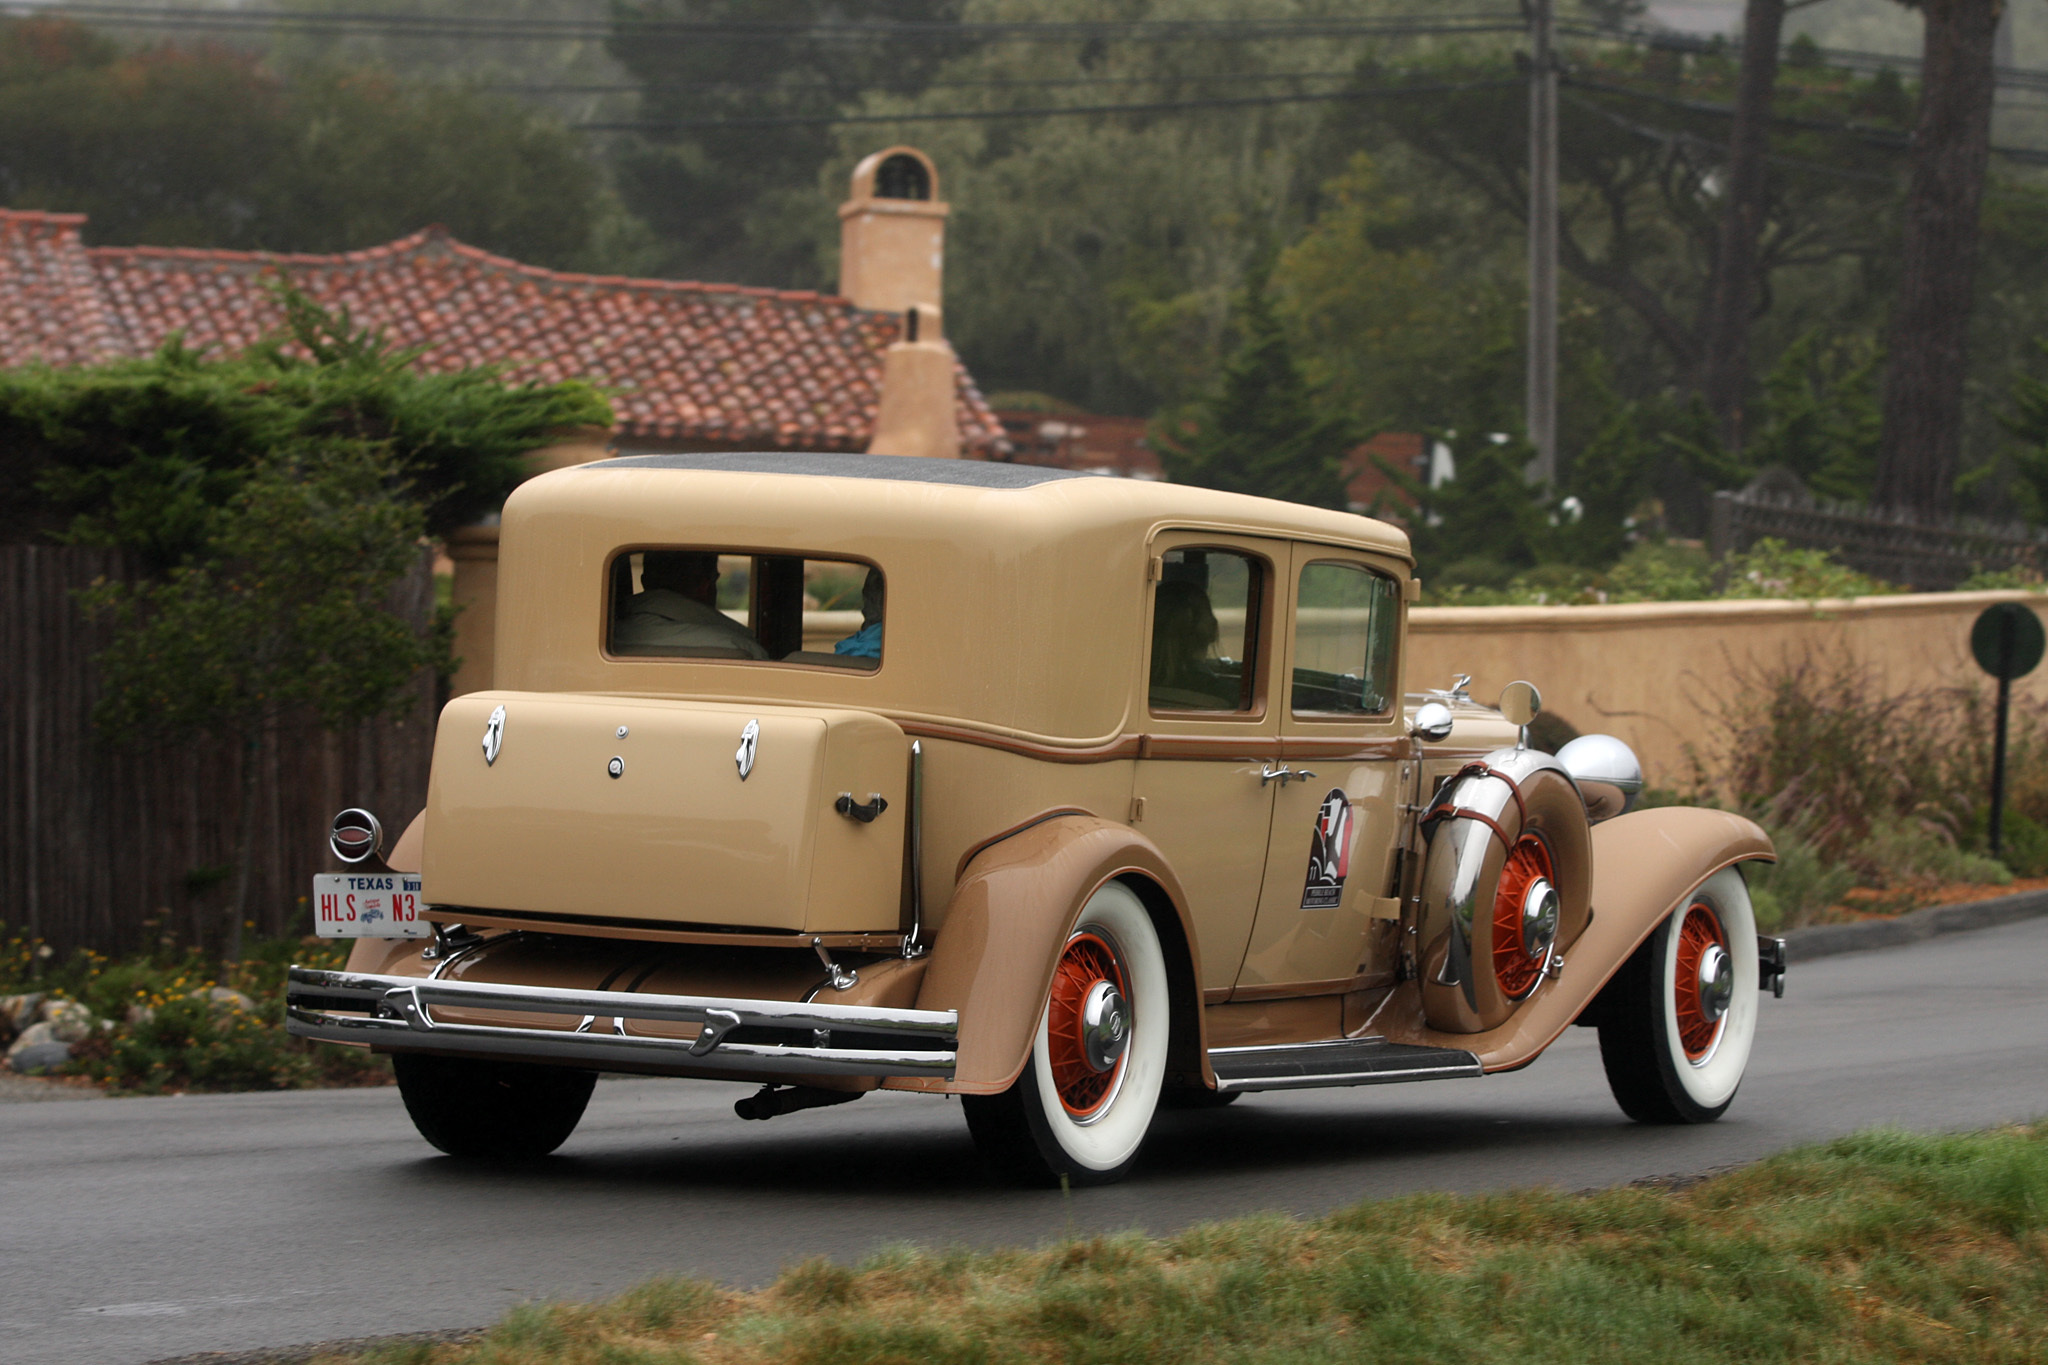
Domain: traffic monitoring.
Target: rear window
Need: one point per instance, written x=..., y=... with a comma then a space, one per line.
x=699, y=603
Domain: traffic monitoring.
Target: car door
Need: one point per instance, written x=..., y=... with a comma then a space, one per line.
x=1327, y=917
x=1209, y=730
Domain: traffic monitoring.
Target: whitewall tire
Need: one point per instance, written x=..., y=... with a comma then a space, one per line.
x=1085, y=1101
x=1678, y=1021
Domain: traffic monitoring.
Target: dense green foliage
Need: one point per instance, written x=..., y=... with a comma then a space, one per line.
x=1263, y=430
x=282, y=607
x=1883, y=1247
x=202, y=146
x=173, y=1021
x=140, y=453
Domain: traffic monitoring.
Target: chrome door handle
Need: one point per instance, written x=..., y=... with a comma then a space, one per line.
x=1283, y=775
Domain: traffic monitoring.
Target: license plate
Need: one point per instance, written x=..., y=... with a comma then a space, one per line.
x=369, y=905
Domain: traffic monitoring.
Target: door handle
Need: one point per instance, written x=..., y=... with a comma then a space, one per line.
x=1283, y=775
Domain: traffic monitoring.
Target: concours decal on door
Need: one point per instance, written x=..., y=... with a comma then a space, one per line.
x=1329, y=854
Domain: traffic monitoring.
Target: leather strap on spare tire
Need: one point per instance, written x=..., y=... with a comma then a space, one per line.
x=1505, y=887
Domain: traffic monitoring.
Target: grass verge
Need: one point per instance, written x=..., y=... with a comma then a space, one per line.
x=1887, y=1246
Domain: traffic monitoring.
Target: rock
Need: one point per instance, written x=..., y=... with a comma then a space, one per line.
x=68, y=1021
x=35, y=1035
x=222, y=999
x=22, y=1010
x=38, y=1056
x=140, y=1014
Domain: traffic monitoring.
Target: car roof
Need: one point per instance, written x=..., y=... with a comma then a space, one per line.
x=876, y=482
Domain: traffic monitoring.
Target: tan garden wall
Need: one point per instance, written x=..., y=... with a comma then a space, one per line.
x=1654, y=673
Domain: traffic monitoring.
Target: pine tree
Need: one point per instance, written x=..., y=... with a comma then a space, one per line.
x=1265, y=429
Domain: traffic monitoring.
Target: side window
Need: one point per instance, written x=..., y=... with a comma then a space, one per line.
x=707, y=604
x=1345, y=622
x=1205, y=632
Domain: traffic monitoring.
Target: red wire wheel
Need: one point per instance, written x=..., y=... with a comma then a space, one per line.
x=1697, y=1030
x=1517, y=972
x=1087, y=962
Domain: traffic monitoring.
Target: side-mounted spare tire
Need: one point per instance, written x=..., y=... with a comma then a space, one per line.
x=1506, y=887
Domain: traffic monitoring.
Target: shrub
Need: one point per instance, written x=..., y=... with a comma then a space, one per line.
x=170, y=1024
x=1863, y=787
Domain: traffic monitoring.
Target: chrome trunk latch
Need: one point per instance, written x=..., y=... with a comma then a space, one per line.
x=750, y=743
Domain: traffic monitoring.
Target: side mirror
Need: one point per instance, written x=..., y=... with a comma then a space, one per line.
x=1433, y=722
x=1520, y=702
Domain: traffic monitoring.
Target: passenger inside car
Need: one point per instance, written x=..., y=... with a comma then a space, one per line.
x=866, y=643
x=676, y=610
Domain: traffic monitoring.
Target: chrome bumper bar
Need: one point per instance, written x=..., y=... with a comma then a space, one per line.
x=752, y=1037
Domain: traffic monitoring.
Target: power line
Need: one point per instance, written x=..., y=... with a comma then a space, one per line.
x=584, y=30
x=1892, y=138
x=1047, y=111
x=1847, y=59
x=1034, y=83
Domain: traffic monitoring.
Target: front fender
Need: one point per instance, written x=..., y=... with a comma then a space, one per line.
x=1008, y=921
x=1644, y=864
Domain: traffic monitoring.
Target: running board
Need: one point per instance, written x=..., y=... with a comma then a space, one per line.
x=1345, y=1061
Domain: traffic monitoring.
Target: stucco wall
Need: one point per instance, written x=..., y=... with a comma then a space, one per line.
x=1655, y=673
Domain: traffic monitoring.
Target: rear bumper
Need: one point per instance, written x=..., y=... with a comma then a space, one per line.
x=744, y=1037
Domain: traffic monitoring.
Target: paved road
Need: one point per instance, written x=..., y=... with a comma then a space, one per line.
x=138, y=1229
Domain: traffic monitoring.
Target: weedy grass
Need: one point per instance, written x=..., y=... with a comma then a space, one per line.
x=1885, y=1247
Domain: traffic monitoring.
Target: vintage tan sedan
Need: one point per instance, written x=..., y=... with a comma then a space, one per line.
x=1071, y=796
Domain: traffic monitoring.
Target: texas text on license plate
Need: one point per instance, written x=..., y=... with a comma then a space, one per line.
x=369, y=905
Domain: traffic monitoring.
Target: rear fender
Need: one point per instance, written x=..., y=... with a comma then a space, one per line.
x=1008, y=920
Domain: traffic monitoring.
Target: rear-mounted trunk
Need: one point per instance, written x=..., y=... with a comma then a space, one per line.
x=673, y=814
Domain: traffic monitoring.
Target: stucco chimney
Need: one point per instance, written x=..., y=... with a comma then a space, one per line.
x=892, y=233
x=892, y=252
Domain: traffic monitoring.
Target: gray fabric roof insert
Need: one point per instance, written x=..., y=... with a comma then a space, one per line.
x=899, y=468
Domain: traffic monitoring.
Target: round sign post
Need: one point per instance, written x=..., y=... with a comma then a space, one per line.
x=2007, y=642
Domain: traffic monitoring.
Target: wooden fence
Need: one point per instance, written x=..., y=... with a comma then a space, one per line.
x=108, y=848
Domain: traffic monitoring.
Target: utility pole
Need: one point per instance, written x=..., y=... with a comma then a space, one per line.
x=1542, y=412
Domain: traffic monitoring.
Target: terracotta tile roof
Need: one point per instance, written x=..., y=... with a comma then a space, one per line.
x=51, y=306
x=698, y=363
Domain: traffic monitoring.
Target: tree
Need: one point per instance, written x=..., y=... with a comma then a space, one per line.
x=730, y=184
x=206, y=147
x=1724, y=368
x=140, y=453
x=1264, y=429
x=1921, y=451
x=282, y=611
x=1643, y=139
x=2028, y=420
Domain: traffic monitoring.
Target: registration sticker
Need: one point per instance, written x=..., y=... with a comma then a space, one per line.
x=369, y=905
x=1329, y=854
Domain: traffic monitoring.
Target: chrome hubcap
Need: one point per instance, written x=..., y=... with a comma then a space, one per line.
x=1539, y=917
x=1105, y=1026
x=1716, y=983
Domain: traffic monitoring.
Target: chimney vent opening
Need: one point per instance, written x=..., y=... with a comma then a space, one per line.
x=902, y=176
